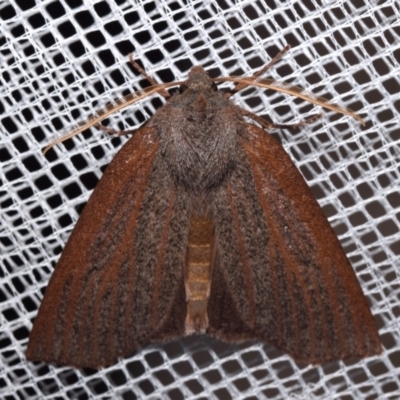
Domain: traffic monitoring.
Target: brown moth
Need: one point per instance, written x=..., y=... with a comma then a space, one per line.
x=202, y=224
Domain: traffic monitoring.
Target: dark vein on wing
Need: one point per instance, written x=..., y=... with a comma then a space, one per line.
x=108, y=272
x=155, y=318
x=243, y=256
x=288, y=258
x=87, y=289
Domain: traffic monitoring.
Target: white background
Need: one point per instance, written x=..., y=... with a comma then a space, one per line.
x=60, y=60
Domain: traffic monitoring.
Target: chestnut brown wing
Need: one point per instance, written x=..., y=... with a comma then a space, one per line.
x=280, y=273
x=119, y=282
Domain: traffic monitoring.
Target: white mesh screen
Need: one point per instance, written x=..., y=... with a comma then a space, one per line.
x=61, y=60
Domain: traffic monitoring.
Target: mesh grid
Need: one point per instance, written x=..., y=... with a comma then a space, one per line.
x=60, y=60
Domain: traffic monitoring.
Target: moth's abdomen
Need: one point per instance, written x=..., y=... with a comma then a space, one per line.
x=198, y=274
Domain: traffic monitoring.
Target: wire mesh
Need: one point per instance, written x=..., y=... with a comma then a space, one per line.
x=60, y=60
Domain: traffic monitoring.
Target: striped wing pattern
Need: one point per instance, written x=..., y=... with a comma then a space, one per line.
x=278, y=274
x=119, y=281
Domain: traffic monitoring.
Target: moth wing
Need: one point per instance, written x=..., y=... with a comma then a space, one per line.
x=119, y=282
x=280, y=273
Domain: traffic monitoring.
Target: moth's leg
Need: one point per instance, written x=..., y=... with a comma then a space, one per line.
x=149, y=79
x=141, y=70
x=117, y=132
x=270, y=125
x=241, y=86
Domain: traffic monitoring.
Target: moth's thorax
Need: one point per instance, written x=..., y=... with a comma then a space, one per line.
x=198, y=134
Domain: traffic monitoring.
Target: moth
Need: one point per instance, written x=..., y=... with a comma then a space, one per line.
x=202, y=224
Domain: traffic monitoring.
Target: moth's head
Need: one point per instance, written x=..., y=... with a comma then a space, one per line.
x=198, y=81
